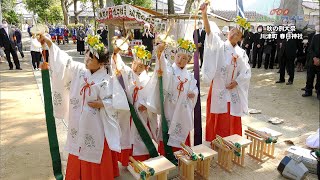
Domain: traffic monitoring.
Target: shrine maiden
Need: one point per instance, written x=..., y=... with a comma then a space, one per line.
x=180, y=94
x=92, y=102
x=226, y=67
x=135, y=79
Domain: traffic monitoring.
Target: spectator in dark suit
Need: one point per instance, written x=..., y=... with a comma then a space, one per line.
x=147, y=39
x=287, y=61
x=247, y=42
x=18, y=35
x=8, y=43
x=269, y=51
x=257, y=47
x=104, y=36
x=314, y=65
x=201, y=33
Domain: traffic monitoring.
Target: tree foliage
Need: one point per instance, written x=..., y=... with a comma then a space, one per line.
x=142, y=3
x=11, y=17
x=47, y=10
x=38, y=6
x=54, y=14
x=8, y=12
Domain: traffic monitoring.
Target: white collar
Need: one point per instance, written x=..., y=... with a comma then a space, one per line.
x=98, y=73
x=180, y=72
x=143, y=78
x=229, y=45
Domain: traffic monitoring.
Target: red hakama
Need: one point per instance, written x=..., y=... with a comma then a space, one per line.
x=221, y=124
x=107, y=169
x=123, y=157
x=174, y=149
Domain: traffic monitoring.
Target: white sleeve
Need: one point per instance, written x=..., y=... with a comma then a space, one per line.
x=244, y=70
x=110, y=123
x=62, y=69
x=243, y=80
x=194, y=90
x=213, y=52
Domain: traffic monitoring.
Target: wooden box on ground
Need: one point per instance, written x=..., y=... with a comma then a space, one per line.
x=161, y=166
x=226, y=156
x=259, y=148
x=188, y=167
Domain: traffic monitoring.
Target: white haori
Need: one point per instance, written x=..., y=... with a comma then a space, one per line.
x=135, y=84
x=178, y=108
x=218, y=67
x=75, y=86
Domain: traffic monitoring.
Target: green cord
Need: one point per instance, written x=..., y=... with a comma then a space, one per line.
x=143, y=175
x=201, y=157
x=318, y=153
x=194, y=157
x=152, y=171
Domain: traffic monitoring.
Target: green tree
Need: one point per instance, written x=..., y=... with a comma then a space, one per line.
x=8, y=13
x=11, y=17
x=54, y=14
x=39, y=7
x=142, y=3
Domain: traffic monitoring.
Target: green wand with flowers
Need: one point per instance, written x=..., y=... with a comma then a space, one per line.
x=165, y=136
x=39, y=30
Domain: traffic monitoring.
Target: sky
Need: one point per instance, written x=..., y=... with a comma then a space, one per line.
x=260, y=6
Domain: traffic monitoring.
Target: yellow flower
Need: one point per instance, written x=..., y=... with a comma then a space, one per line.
x=193, y=46
x=185, y=45
x=149, y=56
x=140, y=54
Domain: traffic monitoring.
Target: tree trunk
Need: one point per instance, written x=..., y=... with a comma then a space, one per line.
x=187, y=9
x=76, y=13
x=65, y=12
x=111, y=28
x=170, y=7
x=101, y=4
x=94, y=15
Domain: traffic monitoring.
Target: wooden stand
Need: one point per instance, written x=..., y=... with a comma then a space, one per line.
x=188, y=167
x=259, y=147
x=226, y=156
x=161, y=166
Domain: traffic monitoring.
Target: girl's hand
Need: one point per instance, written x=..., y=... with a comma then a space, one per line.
x=232, y=85
x=44, y=66
x=44, y=40
x=142, y=108
x=203, y=7
x=191, y=95
x=161, y=47
x=96, y=104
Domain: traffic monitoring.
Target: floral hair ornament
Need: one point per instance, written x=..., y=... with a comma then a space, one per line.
x=95, y=45
x=121, y=43
x=140, y=52
x=243, y=24
x=38, y=29
x=186, y=46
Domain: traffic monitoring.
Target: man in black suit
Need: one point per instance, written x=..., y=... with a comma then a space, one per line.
x=8, y=44
x=201, y=38
x=269, y=50
x=257, y=47
x=314, y=65
x=289, y=48
x=247, y=43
